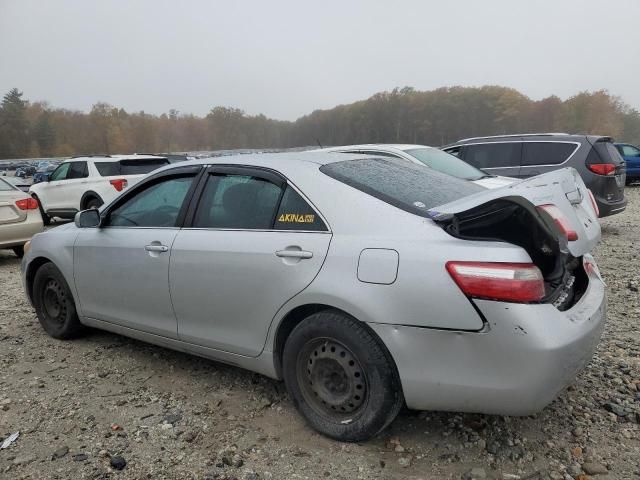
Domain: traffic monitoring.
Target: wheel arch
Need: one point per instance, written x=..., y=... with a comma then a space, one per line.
x=88, y=195
x=297, y=315
x=30, y=275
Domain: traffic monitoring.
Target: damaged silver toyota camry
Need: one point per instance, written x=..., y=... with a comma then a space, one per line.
x=366, y=283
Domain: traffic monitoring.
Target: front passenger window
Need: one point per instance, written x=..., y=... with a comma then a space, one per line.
x=60, y=173
x=156, y=206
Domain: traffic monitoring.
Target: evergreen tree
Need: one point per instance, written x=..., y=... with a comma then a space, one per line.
x=14, y=133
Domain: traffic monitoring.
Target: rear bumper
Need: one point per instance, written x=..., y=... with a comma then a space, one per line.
x=611, y=208
x=518, y=365
x=16, y=234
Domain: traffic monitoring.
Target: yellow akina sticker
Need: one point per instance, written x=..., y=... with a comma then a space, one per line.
x=296, y=218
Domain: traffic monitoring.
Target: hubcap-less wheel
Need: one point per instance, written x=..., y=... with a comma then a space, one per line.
x=331, y=378
x=54, y=301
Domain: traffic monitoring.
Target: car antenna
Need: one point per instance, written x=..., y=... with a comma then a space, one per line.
x=319, y=144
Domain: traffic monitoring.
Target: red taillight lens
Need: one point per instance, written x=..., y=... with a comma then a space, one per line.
x=602, y=168
x=27, y=204
x=594, y=204
x=561, y=221
x=508, y=282
x=119, y=184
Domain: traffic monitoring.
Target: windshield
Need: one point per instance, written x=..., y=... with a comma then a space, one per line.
x=403, y=184
x=446, y=163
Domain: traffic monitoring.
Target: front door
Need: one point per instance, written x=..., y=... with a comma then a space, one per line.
x=253, y=243
x=121, y=269
x=66, y=186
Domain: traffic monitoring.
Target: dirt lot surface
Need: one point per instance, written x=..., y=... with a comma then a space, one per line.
x=84, y=408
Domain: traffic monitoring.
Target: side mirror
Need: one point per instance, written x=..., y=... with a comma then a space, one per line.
x=87, y=218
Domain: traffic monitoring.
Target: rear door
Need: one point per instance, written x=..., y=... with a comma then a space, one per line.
x=66, y=186
x=252, y=244
x=563, y=188
x=496, y=158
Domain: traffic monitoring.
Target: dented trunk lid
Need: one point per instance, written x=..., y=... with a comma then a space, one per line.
x=563, y=188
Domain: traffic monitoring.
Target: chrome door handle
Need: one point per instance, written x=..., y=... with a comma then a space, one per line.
x=156, y=248
x=294, y=254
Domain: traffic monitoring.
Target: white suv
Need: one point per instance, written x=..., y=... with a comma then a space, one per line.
x=88, y=182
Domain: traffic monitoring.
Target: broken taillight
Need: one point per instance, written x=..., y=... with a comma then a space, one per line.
x=27, y=204
x=507, y=282
x=560, y=220
x=119, y=184
x=594, y=204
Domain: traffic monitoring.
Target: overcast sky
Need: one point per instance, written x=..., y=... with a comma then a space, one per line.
x=286, y=58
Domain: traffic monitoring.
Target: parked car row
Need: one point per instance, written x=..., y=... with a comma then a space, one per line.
x=89, y=182
x=521, y=156
x=365, y=281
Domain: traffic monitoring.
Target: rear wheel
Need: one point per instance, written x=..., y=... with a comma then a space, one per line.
x=19, y=251
x=340, y=377
x=93, y=202
x=54, y=303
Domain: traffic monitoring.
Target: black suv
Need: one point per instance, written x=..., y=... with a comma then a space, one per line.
x=520, y=156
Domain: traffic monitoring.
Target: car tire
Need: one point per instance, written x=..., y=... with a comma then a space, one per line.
x=19, y=251
x=340, y=377
x=93, y=202
x=46, y=219
x=54, y=303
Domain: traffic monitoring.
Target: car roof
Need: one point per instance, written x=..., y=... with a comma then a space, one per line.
x=529, y=137
x=377, y=146
x=113, y=158
x=281, y=161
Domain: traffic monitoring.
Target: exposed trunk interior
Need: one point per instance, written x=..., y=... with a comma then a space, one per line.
x=516, y=221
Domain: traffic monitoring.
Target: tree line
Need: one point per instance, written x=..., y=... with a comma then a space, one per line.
x=436, y=117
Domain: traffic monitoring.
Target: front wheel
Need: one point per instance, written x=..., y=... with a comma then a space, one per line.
x=19, y=251
x=54, y=303
x=340, y=377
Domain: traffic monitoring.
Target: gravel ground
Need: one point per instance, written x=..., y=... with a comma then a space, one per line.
x=106, y=406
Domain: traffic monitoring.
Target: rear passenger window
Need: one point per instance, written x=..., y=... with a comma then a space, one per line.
x=237, y=202
x=77, y=170
x=296, y=214
x=546, y=153
x=493, y=155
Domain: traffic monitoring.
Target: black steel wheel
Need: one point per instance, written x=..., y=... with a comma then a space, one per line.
x=331, y=377
x=341, y=377
x=54, y=303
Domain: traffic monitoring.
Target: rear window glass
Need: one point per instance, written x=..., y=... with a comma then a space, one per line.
x=604, y=152
x=408, y=186
x=446, y=163
x=5, y=187
x=493, y=155
x=130, y=167
x=546, y=153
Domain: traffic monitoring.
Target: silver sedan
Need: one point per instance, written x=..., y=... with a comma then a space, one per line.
x=366, y=283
